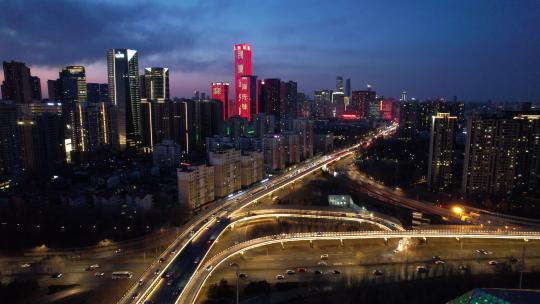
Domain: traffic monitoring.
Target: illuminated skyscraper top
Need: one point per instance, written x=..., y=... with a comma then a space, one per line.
x=242, y=67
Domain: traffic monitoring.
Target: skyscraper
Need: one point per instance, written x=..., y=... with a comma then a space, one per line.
x=360, y=102
x=156, y=83
x=502, y=154
x=291, y=100
x=17, y=84
x=348, y=87
x=339, y=84
x=124, y=93
x=73, y=92
x=242, y=68
x=441, y=150
x=36, y=88
x=220, y=91
x=323, y=100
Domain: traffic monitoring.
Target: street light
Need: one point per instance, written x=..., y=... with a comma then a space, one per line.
x=235, y=265
x=457, y=210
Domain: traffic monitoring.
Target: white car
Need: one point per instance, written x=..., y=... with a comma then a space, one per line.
x=99, y=274
x=209, y=268
x=289, y=271
x=493, y=263
x=280, y=277
x=324, y=256
x=25, y=265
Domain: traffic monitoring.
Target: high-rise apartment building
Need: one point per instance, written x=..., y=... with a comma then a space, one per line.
x=273, y=152
x=408, y=120
x=339, y=84
x=323, y=101
x=227, y=171
x=195, y=186
x=251, y=167
x=124, y=93
x=502, y=154
x=441, y=151
x=155, y=107
x=360, y=102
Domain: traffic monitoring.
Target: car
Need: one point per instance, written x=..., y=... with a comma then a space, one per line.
x=118, y=250
x=209, y=268
x=324, y=256
x=196, y=261
x=242, y=275
x=280, y=277
x=436, y=257
x=173, y=251
x=300, y=270
x=141, y=282
x=421, y=269
x=439, y=262
x=317, y=272
x=56, y=275
x=135, y=295
x=99, y=274
x=161, y=260
x=322, y=263
x=92, y=267
x=166, y=275
x=157, y=271
x=378, y=272
x=289, y=271
x=463, y=267
x=170, y=282
x=336, y=271
x=25, y=265
x=493, y=263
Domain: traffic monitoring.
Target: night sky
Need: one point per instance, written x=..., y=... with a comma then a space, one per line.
x=477, y=50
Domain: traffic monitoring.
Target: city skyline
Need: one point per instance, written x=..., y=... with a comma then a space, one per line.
x=466, y=50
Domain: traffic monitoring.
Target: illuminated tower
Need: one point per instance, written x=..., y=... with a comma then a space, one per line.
x=124, y=93
x=242, y=83
x=220, y=91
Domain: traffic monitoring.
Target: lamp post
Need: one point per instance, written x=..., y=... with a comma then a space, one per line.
x=235, y=265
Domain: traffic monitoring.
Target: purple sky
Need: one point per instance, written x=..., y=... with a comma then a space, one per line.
x=477, y=50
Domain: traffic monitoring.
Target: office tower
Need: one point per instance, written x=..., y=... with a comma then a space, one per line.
x=403, y=96
x=9, y=145
x=155, y=107
x=156, y=83
x=441, y=151
x=323, y=102
x=36, y=88
x=92, y=92
x=54, y=89
x=502, y=154
x=248, y=103
x=17, y=84
x=290, y=102
x=124, y=93
x=220, y=91
x=195, y=186
x=73, y=92
x=104, y=92
x=226, y=163
x=360, y=102
x=251, y=167
x=166, y=154
x=408, y=120
x=263, y=124
x=242, y=68
x=338, y=105
x=183, y=124
x=273, y=152
x=339, y=84
x=348, y=87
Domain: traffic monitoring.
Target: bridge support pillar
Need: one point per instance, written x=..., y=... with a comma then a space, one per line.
x=385, y=241
x=341, y=241
x=282, y=246
x=310, y=243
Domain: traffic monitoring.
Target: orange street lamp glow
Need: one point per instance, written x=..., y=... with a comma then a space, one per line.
x=457, y=210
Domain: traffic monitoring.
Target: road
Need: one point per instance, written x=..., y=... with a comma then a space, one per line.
x=357, y=260
x=194, y=286
x=151, y=286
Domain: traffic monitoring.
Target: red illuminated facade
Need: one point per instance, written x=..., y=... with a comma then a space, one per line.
x=220, y=91
x=386, y=107
x=243, y=81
